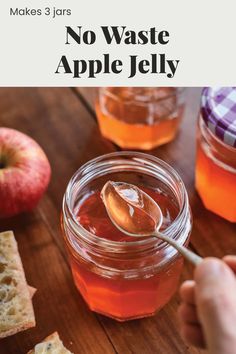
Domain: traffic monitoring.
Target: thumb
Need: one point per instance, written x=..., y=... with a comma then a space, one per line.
x=215, y=294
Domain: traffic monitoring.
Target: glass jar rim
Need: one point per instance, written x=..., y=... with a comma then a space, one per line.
x=119, y=245
x=119, y=99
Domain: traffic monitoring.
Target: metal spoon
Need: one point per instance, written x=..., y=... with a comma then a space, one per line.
x=136, y=214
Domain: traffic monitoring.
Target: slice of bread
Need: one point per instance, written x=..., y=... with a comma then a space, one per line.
x=50, y=345
x=16, y=309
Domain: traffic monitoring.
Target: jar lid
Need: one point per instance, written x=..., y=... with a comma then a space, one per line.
x=218, y=110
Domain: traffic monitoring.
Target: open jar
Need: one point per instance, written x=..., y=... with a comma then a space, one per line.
x=216, y=151
x=140, y=117
x=118, y=276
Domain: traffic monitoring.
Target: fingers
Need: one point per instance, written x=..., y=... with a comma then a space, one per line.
x=208, y=311
x=231, y=262
x=193, y=335
x=188, y=314
x=190, y=328
x=187, y=292
x=215, y=300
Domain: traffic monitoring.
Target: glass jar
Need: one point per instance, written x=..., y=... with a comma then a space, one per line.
x=140, y=117
x=216, y=152
x=125, y=280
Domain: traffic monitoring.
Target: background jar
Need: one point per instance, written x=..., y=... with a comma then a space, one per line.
x=216, y=152
x=125, y=280
x=140, y=117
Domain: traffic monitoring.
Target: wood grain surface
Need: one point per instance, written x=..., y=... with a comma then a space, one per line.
x=62, y=121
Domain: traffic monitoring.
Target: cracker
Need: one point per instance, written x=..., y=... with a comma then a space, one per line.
x=16, y=309
x=50, y=345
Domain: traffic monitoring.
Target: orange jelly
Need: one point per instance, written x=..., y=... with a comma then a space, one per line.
x=120, y=276
x=139, y=118
x=117, y=296
x=216, y=174
x=216, y=152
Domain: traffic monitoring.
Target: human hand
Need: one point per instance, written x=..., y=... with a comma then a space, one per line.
x=208, y=309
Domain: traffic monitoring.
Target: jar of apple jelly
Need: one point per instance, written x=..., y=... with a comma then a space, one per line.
x=120, y=276
x=216, y=151
x=140, y=117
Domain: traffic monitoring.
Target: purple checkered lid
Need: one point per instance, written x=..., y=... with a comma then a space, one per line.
x=218, y=110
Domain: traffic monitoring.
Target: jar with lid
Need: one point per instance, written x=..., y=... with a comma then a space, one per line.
x=216, y=151
x=140, y=117
x=118, y=276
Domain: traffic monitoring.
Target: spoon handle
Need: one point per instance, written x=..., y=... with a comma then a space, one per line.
x=186, y=253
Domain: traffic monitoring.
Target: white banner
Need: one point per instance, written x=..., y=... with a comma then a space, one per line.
x=122, y=43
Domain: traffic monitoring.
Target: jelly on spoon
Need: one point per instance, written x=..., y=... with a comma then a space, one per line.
x=136, y=214
x=130, y=209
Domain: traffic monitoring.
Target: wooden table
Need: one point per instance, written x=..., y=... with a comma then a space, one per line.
x=63, y=122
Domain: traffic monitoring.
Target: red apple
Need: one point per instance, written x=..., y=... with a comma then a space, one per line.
x=24, y=172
